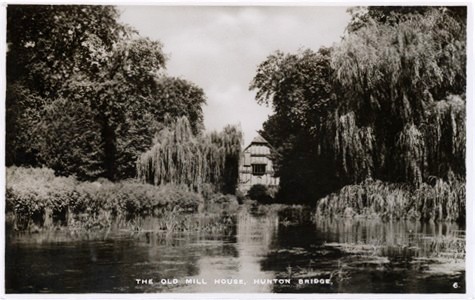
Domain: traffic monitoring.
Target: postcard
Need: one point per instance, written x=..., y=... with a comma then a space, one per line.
x=242, y=150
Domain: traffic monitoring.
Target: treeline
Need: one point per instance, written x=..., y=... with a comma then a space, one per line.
x=386, y=103
x=94, y=121
x=86, y=94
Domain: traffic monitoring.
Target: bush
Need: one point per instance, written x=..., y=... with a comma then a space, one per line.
x=31, y=193
x=37, y=196
x=260, y=193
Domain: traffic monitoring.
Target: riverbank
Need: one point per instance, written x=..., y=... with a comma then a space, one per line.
x=37, y=199
x=439, y=201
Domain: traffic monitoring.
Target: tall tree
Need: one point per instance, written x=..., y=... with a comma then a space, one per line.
x=403, y=81
x=387, y=103
x=47, y=45
x=81, y=74
x=300, y=87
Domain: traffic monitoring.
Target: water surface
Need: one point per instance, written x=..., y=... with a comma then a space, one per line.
x=258, y=249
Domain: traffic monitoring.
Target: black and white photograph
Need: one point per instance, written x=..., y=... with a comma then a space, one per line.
x=236, y=149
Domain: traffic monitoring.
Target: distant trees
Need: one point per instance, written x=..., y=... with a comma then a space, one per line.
x=86, y=94
x=387, y=102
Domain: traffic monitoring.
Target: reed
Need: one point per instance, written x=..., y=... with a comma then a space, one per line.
x=443, y=200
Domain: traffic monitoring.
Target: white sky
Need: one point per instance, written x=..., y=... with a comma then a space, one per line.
x=219, y=49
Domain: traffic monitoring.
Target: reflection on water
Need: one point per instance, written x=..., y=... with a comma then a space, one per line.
x=262, y=249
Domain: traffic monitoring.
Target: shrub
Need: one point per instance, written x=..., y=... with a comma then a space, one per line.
x=31, y=192
x=260, y=193
x=38, y=196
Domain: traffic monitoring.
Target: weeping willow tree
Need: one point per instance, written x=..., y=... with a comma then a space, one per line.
x=180, y=157
x=404, y=86
x=386, y=103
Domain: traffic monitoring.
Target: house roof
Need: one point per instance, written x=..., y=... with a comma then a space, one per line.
x=259, y=140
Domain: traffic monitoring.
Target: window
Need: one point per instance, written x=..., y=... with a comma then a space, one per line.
x=258, y=169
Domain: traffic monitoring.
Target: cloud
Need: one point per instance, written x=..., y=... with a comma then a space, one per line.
x=219, y=48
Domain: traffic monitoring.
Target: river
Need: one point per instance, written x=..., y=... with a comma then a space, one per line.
x=263, y=249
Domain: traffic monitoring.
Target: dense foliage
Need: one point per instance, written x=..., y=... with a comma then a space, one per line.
x=387, y=103
x=181, y=157
x=38, y=197
x=86, y=94
x=300, y=88
x=86, y=97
